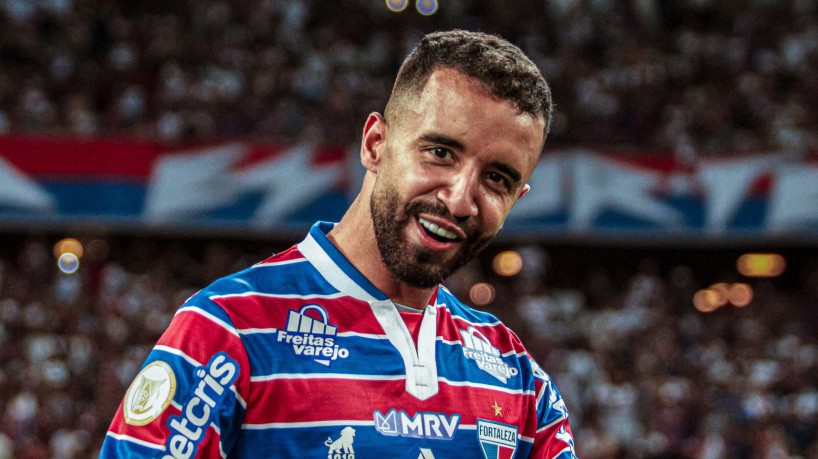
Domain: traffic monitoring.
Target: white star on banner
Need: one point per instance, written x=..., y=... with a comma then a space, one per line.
x=187, y=183
x=289, y=181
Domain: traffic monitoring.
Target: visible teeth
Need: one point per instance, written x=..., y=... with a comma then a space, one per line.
x=437, y=230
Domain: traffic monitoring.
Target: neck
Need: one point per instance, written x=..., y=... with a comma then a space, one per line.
x=354, y=237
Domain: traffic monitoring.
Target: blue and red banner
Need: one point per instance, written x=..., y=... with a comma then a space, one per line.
x=239, y=185
x=146, y=184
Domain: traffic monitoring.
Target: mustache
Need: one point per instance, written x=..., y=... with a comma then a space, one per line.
x=416, y=208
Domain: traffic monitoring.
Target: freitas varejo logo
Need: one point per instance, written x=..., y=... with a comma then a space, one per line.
x=488, y=358
x=312, y=337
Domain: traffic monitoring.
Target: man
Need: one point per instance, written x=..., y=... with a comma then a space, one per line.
x=346, y=345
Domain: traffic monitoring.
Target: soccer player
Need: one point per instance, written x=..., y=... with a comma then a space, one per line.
x=347, y=345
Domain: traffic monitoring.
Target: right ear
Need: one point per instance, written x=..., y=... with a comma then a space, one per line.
x=373, y=141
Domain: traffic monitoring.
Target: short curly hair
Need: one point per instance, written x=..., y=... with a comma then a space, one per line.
x=502, y=68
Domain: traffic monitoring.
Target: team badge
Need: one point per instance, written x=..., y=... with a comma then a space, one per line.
x=312, y=336
x=341, y=448
x=498, y=440
x=488, y=358
x=149, y=394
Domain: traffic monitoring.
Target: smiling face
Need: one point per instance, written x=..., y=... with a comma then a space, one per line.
x=454, y=161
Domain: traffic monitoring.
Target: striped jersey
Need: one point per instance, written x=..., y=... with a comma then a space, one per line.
x=300, y=356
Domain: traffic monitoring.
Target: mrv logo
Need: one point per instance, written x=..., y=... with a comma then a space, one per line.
x=436, y=426
x=478, y=348
x=312, y=337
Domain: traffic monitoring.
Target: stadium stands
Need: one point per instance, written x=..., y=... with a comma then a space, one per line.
x=697, y=77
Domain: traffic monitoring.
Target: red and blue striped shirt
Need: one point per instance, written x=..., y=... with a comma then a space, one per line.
x=300, y=356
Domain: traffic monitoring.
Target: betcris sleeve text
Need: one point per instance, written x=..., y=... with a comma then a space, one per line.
x=188, y=399
x=554, y=439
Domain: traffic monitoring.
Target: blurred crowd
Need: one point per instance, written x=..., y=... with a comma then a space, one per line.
x=685, y=76
x=644, y=374
x=70, y=344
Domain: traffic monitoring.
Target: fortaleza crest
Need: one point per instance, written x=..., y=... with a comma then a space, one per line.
x=312, y=337
x=341, y=447
x=488, y=358
x=498, y=440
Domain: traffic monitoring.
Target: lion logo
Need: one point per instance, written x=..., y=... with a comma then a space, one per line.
x=343, y=443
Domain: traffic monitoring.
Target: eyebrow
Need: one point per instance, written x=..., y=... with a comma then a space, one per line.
x=447, y=141
x=441, y=139
x=515, y=175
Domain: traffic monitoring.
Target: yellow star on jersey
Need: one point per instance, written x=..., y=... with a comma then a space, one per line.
x=498, y=410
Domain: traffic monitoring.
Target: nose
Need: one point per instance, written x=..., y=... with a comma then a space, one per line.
x=459, y=195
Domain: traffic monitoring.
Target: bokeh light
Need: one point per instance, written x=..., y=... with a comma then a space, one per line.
x=481, y=294
x=426, y=7
x=397, y=5
x=721, y=293
x=722, y=290
x=508, y=263
x=761, y=264
x=68, y=263
x=740, y=295
x=68, y=245
x=706, y=300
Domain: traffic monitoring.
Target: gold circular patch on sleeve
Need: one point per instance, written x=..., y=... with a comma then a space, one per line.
x=149, y=394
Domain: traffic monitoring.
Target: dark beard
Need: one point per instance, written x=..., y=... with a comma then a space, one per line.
x=417, y=266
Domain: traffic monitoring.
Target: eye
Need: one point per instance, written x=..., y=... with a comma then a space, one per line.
x=442, y=153
x=500, y=179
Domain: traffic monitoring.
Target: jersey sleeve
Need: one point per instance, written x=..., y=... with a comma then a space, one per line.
x=554, y=439
x=188, y=399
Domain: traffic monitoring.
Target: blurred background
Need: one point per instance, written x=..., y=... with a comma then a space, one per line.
x=663, y=270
